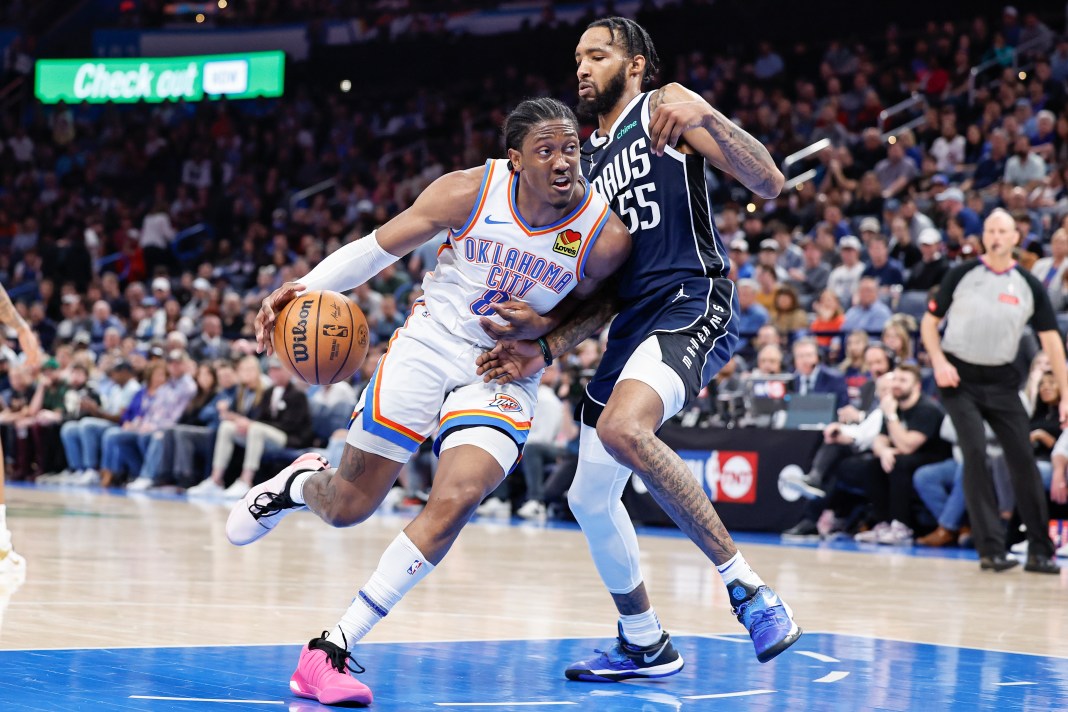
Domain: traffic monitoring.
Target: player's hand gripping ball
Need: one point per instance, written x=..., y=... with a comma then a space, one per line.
x=321, y=337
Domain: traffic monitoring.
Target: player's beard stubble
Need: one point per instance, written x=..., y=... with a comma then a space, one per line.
x=603, y=101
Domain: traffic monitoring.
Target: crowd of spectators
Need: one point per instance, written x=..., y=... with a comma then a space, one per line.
x=139, y=241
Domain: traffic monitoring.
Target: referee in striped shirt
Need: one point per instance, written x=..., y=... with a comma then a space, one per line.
x=987, y=303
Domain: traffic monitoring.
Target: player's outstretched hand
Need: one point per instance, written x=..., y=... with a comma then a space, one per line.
x=509, y=361
x=523, y=322
x=272, y=304
x=671, y=120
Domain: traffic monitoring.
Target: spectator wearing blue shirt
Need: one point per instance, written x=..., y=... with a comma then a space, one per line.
x=951, y=200
x=750, y=315
x=868, y=313
x=741, y=267
x=881, y=267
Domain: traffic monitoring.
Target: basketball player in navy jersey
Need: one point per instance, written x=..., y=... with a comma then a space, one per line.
x=673, y=332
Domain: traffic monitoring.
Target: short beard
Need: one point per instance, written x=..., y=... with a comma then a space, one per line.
x=603, y=102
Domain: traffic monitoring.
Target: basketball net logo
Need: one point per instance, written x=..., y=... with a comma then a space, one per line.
x=568, y=243
x=506, y=404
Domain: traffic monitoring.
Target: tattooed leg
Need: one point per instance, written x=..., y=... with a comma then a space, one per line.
x=627, y=428
x=350, y=493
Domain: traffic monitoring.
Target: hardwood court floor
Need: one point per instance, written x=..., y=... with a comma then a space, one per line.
x=111, y=572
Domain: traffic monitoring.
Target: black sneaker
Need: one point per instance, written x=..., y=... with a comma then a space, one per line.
x=624, y=661
x=1042, y=565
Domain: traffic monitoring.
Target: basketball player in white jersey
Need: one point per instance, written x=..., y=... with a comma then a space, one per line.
x=528, y=229
x=13, y=566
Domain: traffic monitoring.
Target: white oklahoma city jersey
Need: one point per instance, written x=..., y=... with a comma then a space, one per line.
x=496, y=256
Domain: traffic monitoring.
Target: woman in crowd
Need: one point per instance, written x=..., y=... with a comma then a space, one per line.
x=828, y=319
x=787, y=315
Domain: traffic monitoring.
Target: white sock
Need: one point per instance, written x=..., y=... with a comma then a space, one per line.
x=3, y=517
x=642, y=629
x=296, y=490
x=401, y=567
x=737, y=569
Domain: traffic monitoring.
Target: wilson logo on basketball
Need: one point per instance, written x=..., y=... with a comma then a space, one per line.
x=300, y=332
x=568, y=243
x=506, y=404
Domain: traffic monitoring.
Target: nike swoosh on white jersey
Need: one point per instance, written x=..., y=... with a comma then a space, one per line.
x=490, y=221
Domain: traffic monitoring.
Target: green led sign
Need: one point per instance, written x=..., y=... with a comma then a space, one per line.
x=156, y=79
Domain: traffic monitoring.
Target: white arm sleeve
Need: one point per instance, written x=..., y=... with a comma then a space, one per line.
x=350, y=266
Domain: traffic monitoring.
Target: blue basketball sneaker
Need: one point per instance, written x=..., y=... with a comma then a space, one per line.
x=624, y=661
x=767, y=618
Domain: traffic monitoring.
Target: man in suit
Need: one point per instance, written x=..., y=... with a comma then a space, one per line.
x=813, y=378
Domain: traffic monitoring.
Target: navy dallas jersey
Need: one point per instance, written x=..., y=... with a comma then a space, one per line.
x=674, y=285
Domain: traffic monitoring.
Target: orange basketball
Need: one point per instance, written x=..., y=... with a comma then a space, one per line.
x=321, y=337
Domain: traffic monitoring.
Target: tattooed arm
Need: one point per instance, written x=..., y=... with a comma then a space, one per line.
x=27, y=339
x=681, y=119
x=512, y=360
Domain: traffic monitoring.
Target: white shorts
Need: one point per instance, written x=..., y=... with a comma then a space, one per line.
x=647, y=365
x=426, y=382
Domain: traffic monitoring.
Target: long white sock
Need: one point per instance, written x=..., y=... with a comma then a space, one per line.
x=3, y=517
x=401, y=567
x=641, y=629
x=738, y=569
x=296, y=490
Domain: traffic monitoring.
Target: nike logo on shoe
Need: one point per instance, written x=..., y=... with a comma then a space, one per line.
x=650, y=658
x=490, y=221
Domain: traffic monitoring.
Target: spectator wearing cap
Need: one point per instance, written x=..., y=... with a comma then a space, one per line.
x=951, y=202
x=896, y=171
x=789, y=254
x=83, y=438
x=867, y=313
x=200, y=300
x=751, y=314
x=868, y=228
x=151, y=320
x=739, y=255
x=930, y=271
x=1050, y=270
x=282, y=419
x=845, y=277
x=1025, y=168
x=888, y=272
x=102, y=320
x=768, y=256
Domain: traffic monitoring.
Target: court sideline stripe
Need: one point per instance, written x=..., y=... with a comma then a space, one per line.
x=206, y=699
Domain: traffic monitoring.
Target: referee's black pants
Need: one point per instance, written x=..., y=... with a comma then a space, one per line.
x=989, y=393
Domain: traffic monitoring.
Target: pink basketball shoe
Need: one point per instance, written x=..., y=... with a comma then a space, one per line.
x=323, y=674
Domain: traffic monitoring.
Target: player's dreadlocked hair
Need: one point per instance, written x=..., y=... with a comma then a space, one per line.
x=632, y=39
x=531, y=112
